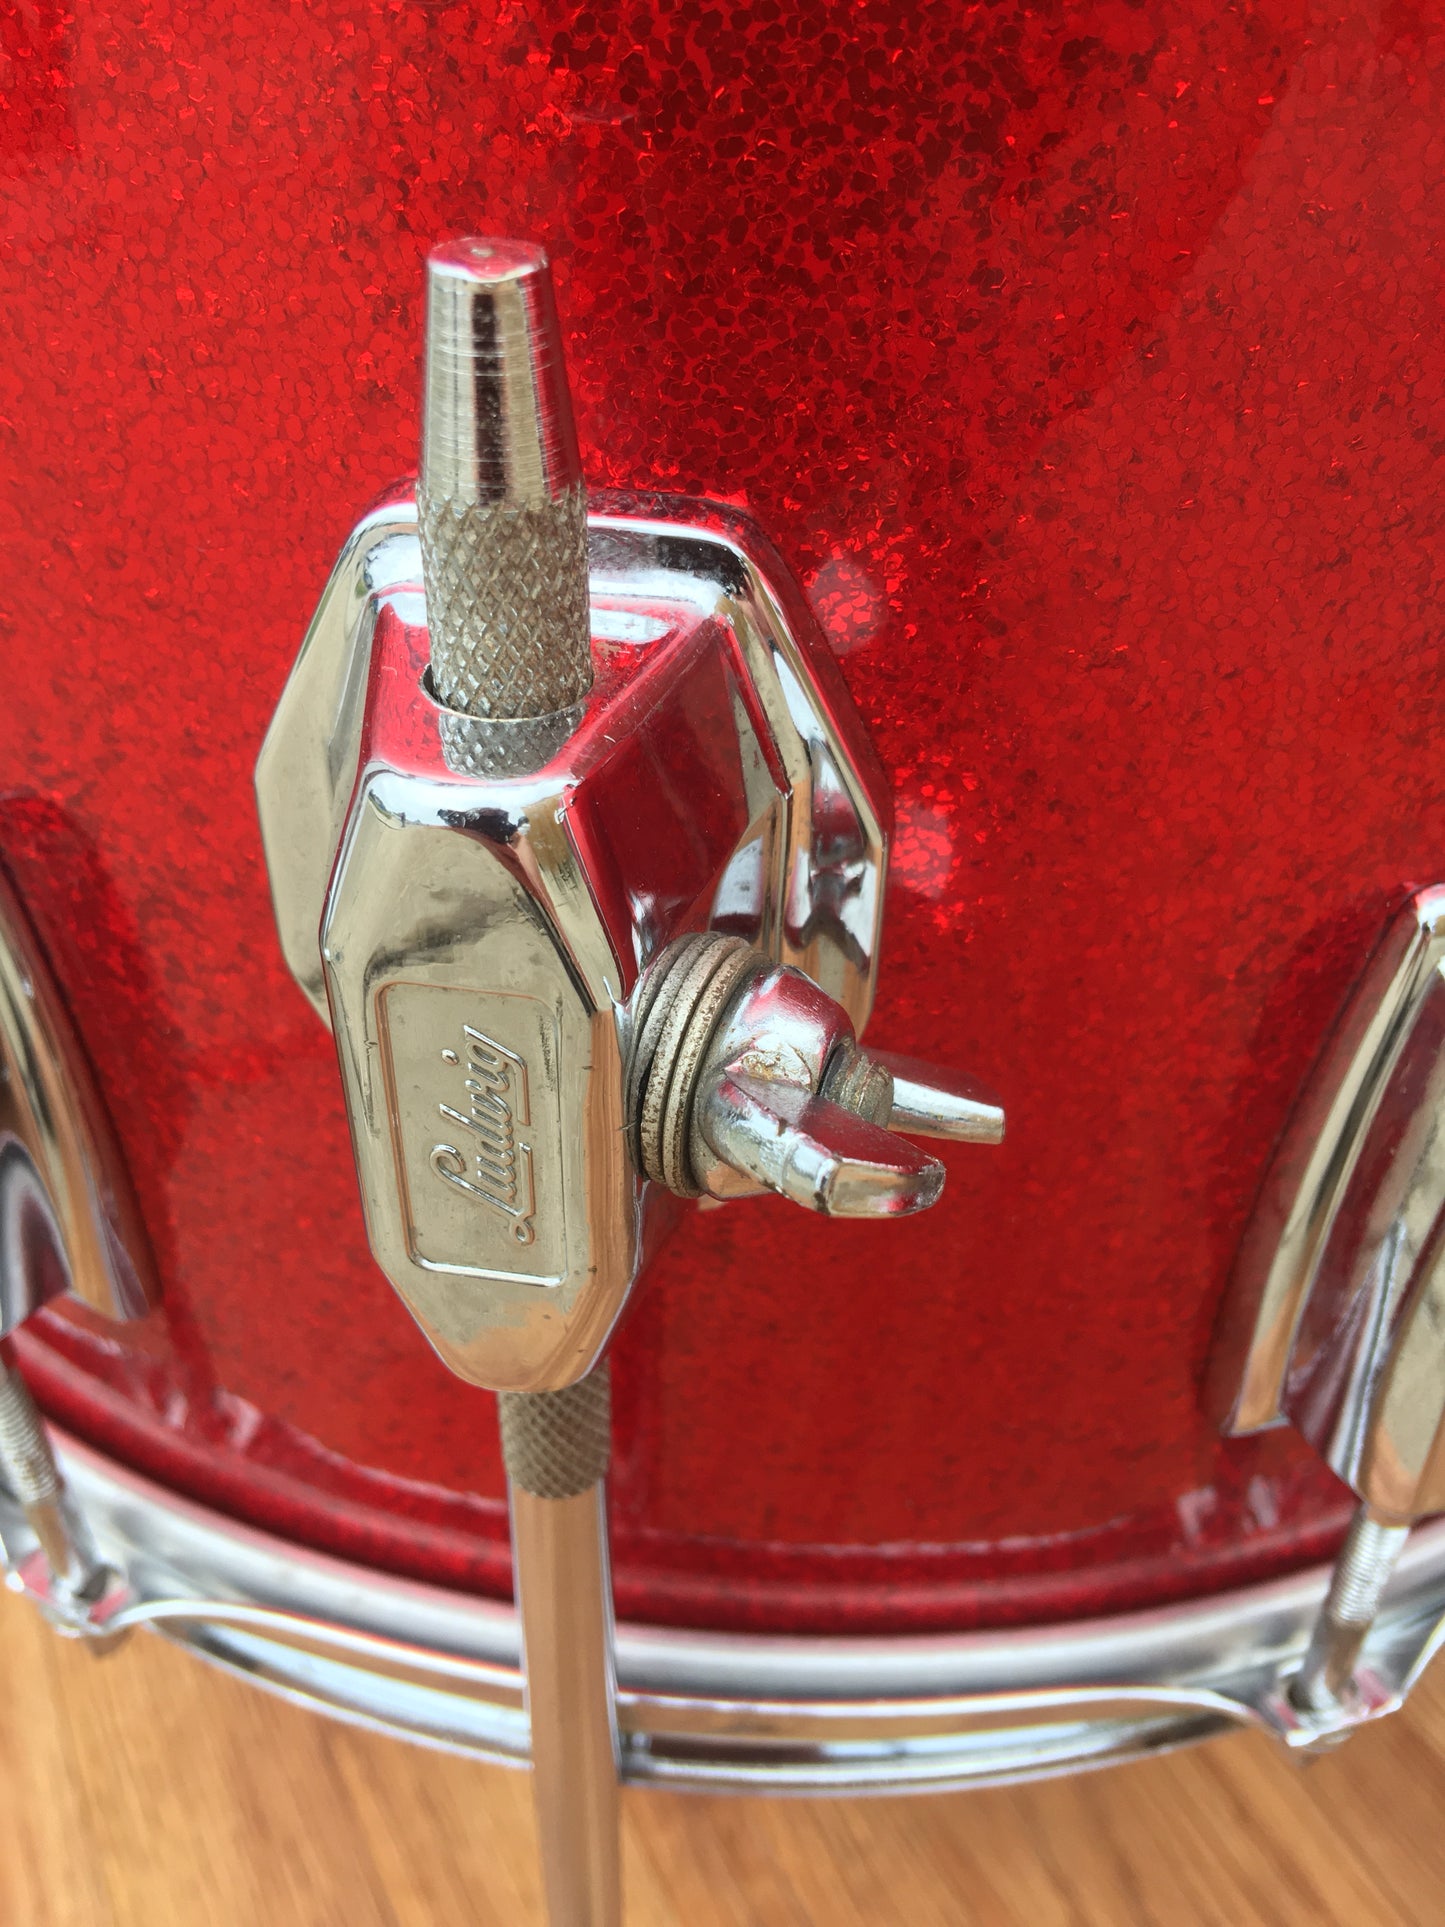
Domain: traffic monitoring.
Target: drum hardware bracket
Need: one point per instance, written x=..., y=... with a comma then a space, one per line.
x=596, y=847
x=1335, y=1318
x=501, y=897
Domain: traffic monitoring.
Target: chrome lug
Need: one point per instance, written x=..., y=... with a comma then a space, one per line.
x=68, y=1223
x=1335, y=1320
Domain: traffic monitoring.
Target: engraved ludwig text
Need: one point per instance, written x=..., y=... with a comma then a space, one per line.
x=489, y=1162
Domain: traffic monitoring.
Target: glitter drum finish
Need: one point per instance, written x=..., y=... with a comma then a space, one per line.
x=1089, y=363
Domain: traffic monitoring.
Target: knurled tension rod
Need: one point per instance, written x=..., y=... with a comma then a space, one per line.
x=28, y=1469
x=1363, y=1570
x=503, y=520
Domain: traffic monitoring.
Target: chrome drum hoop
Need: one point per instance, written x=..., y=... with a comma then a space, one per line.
x=721, y=1711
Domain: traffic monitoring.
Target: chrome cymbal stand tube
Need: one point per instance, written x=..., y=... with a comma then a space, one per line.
x=556, y=1446
x=502, y=512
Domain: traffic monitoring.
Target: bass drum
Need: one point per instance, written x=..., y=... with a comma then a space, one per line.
x=1090, y=371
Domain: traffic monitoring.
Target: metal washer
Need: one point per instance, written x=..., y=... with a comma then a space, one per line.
x=696, y=978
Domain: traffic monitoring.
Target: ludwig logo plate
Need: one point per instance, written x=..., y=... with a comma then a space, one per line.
x=472, y=1080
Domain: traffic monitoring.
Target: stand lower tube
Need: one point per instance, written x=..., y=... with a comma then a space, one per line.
x=555, y=1445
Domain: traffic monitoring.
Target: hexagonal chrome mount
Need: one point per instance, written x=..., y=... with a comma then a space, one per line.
x=475, y=939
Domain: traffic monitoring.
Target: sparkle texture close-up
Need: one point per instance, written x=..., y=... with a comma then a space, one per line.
x=1087, y=361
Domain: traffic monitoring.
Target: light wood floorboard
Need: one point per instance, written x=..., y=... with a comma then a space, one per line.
x=146, y=1790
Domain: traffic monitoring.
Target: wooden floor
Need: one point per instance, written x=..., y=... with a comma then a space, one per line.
x=145, y=1790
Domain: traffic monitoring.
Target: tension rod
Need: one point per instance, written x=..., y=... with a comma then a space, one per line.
x=503, y=522
x=29, y=1470
x=1363, y=1570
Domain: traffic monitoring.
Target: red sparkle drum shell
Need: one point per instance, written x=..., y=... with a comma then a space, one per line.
x=1088, y=365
